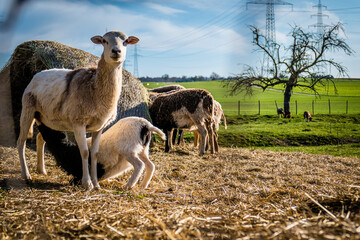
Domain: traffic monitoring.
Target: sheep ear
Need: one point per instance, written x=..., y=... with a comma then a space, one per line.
x=132, y=40
x=97, y=39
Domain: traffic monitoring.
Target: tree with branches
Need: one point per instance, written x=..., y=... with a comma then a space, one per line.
x=302, y=64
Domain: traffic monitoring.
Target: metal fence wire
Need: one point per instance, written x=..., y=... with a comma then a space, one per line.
x=328, y=106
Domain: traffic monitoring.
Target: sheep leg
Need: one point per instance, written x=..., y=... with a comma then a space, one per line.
x=139, y=167
x=149, y=168
x=203, y=133
x=80, y=137
x=168, y=139
x=40, y=147
x=95, y=142
x=26, y=121
x=181, y=137
x=196, y=138
x=175, y=132
x=211, y=136
x=216, y=137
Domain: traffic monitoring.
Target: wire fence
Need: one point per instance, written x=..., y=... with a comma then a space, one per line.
x=243, y=107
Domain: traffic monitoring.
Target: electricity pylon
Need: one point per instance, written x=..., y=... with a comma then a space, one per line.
x=270, y=31
x=320, y=26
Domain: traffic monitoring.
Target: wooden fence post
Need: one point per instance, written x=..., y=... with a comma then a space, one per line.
x=313, y=107
x=259, y=107
x=347, y=106
x=329, y=108
x=296, y=107
x=239, y=107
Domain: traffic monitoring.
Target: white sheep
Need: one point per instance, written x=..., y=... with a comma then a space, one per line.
x=122, y=147
x=81, y=100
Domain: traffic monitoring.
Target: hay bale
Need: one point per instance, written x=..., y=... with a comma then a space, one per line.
x=32, y=57
x=7, y=135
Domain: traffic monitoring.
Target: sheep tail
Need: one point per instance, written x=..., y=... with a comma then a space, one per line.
x=158, y=132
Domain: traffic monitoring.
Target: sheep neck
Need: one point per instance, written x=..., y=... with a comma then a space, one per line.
x=108, y=83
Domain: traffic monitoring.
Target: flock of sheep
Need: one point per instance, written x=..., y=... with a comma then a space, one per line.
x=85, y=100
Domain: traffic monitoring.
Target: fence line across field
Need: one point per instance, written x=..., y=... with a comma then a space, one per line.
x=296, y=107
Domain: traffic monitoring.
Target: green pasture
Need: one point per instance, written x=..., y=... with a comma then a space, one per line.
x=335, y=134
x=347, y=99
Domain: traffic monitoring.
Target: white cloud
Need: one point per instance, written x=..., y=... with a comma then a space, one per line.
x=177, y=46
x=164, y=9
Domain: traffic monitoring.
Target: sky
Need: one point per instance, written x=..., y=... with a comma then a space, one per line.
x=177, y=37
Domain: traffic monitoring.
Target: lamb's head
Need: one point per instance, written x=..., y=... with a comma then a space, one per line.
x=114, y=43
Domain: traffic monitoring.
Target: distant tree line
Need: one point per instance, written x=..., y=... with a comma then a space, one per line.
x=167, y=78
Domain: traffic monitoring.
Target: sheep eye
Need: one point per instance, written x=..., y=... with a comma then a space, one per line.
x=125, y=43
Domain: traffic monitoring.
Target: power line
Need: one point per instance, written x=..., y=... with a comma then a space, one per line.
x=179, y=38
x=136, y=68
x=235, y=21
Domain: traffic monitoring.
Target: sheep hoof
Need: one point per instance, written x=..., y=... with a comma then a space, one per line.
x=87, y=184
x=97, y=187
x=127, y=187
x=26, y=176
x=42, y=171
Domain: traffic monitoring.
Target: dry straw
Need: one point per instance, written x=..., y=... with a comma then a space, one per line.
x=237, y=194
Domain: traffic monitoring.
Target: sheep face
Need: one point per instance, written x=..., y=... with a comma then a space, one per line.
x=114, y=44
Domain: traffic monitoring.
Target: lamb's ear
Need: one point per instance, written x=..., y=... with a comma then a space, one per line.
x=132, y=40
x=97, y=39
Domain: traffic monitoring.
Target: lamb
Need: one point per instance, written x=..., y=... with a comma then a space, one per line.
x=280, y=112
x=122, y=147
x=185, y=109
x=307, y=116
x=81, y=100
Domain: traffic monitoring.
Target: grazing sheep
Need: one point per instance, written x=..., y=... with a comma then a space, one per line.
x=218, y=114
x=166, y=89
x=81, y=100
x=307, y=116
x=280, y=112
x=185, y=109
x=287, y=114
x=122, y=147
x=156, y=92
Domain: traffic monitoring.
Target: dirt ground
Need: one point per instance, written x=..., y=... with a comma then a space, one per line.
x=235, y=194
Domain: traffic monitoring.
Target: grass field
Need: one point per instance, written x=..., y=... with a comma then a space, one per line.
x=335, y=134
x=348, y=90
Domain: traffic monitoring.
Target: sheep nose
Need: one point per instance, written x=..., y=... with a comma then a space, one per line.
x=116, y=51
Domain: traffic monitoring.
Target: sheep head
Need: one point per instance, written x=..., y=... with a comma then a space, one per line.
x=114, y=44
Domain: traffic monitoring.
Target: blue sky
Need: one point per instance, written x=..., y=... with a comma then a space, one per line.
x=178, y=37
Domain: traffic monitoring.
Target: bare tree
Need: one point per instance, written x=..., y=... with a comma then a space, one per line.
x=302, y=64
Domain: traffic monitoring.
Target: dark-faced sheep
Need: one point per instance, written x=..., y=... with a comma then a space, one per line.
x=185, y=109
x=81, y=100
